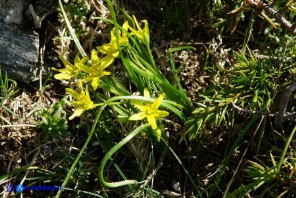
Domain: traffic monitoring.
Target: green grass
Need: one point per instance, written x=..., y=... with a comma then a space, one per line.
x=223, y=142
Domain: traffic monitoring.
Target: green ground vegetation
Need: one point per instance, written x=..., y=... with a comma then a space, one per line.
x=159, y=99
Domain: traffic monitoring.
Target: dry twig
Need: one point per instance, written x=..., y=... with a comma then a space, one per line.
x=260, y=4
x=282, y=115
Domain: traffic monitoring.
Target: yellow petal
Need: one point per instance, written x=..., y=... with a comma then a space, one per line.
x=106, y=61
x=86, y=91
x=157, y=102
x=142, y=107
x=136, y=22
x=138, y=116
x=76, y=113
x=84, y=68
x=76, y=59
x=115, y=54
x=152, y=121
x=104, y=48
x=125, y=25
x=105, y=73
x=124, y=38
x=80, y=85
x=84, y=60
x=95, y=83
x=161, y=114
x=55, y=69
x=146, y=93
x=137, y=34
x=62, y=76
x=94, y=57
x=88, y=78
x=101, y=48
x=146, y=32
x=73, y=93
x=113, y=36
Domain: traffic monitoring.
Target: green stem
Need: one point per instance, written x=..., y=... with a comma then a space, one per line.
x=70, y=173
x=109, y=155
x=153, y=61
x=279, y=165
x=71, y=30
x=112, y=11
x=108, y=102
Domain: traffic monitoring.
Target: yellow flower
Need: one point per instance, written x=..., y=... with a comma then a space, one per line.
x=123, y=41
x=142, y=34
x=96, y=70
x=149, y=110
x=83, y=101
x=111, y=49
x=70, y=70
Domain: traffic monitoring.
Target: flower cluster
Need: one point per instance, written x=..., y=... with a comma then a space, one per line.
x=111, y=49
x=93, y=70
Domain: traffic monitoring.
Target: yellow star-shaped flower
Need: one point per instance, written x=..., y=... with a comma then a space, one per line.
x=141, y=34
x=149, y=110
x=112, y=49
x=96, y=70
x=83, y=101
x=70, y=70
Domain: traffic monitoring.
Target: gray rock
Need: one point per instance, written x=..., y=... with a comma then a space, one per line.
x=19, y=53
x=19, y=42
